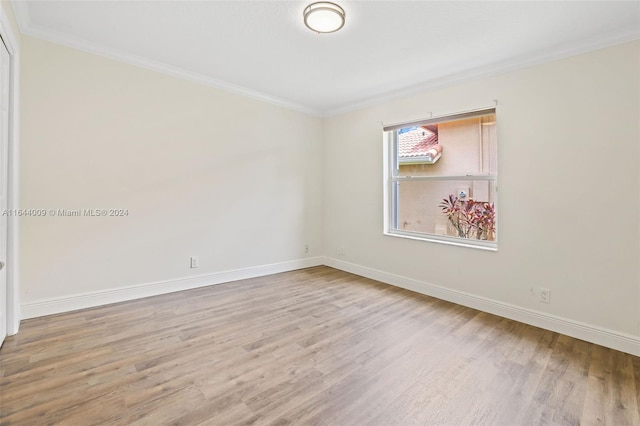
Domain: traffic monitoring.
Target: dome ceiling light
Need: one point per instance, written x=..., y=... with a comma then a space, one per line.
x=324, y=17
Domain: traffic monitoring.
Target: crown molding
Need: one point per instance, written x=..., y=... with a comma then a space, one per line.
x=21, y=10
x=488, y=71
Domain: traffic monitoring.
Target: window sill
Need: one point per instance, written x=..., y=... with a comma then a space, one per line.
x=480, y=245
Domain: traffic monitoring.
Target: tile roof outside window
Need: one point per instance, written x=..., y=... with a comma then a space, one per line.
x=416, y=142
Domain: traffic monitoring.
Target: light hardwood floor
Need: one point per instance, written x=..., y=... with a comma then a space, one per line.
x=310, y=347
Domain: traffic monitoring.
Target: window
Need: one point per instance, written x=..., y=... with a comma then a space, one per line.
x=441, y=179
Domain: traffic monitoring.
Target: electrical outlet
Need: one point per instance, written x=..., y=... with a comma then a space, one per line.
x=341, y=252
x=194, y=262
x=306, y=248
x=545, y=295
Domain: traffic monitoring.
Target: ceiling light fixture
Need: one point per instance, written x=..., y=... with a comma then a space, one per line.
x=324, y=17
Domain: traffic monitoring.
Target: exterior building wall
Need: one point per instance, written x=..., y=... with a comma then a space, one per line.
x=468, y=148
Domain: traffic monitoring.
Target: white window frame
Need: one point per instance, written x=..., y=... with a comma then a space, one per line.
x=392, y=178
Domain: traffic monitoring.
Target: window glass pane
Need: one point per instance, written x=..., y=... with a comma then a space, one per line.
x=435, y=207
x=448, y=148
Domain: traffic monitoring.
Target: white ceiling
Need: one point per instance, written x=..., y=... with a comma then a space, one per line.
x=386, y=48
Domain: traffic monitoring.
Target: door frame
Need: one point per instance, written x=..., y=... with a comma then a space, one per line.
x=13, y=172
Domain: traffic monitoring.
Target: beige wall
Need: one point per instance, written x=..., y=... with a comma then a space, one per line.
x=568, y=218
x=242, y=183
x=201, y=171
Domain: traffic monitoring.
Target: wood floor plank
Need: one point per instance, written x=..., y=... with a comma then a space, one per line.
x=315, y=346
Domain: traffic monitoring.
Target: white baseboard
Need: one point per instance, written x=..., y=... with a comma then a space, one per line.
x=590, y=333
x=88, y=300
